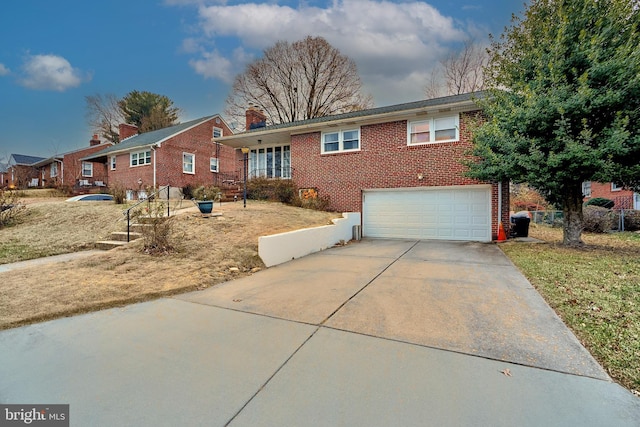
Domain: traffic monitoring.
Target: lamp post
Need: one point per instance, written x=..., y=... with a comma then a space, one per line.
x=245, y=159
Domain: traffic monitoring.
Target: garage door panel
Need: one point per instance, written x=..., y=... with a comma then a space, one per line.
x=460, y=213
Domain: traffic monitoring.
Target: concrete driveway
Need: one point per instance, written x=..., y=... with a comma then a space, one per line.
x=379, y=332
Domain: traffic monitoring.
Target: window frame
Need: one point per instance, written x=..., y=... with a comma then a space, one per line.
x=146, y=159
x=431, y=121
x=586, y=189
x=193, y=163
x=112, y=162
x=90, y=170
x=213, y=160
x=213, y=132
x=53, y=170
x=615, y=187
x=340, y=141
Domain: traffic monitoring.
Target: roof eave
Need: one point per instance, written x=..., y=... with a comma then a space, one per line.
x=251, y=138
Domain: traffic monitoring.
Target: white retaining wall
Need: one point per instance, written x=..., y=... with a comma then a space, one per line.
x=283, y=247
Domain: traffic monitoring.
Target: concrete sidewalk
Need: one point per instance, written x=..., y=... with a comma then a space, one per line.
x=32, y=263
x=375, y=333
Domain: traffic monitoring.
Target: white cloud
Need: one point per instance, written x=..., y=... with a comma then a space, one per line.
x=390, y=42
x=4, y=70
x=50, y=72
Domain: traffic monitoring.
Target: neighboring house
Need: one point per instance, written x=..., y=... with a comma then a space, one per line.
x=179, y=155
x=71, y=171
x=21, y=173
x=399, y=166
x=4, y=181
x=623, y=198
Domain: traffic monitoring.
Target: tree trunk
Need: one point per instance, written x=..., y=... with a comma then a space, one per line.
x=573, y=218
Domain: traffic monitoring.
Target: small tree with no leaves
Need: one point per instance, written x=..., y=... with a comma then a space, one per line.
x=298, y=81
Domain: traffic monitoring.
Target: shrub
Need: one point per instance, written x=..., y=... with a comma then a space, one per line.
x=119, y=194
x=187, y=192
x=631, y=220
x=156, y=237
x=597, y=219
x=10, y=207
x=206, y=192
x=600, y=201
x=275, y=190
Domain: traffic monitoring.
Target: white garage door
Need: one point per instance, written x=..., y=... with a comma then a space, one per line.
x=443, y=213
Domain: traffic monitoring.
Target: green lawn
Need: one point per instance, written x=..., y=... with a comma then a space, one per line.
x=596, y=291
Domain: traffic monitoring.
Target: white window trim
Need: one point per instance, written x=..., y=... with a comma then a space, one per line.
x=213, y=132
x=586, y=187
x=340, y=133
x=52, y=173
x=614, y=187
x=144, y=157
x=215, y=160
x=432, y=130
x=112, y=162
x=90, y=168
x=193, y=163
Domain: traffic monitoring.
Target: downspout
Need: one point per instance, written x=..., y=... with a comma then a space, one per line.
x=499, y=205
x=153, y=148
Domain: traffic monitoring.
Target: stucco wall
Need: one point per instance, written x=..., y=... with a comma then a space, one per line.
x=283, y=247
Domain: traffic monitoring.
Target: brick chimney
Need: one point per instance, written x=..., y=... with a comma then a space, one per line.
x=255, y=118
x=125, y=130
x=94, y=141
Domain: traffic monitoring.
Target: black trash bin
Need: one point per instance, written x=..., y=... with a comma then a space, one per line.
x=520, y=223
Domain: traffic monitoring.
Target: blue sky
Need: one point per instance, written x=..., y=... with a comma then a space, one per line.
x=54, y=53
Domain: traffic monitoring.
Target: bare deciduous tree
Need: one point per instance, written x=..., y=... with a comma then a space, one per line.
x=460, y=72
x=298, y=81
x=104, y=115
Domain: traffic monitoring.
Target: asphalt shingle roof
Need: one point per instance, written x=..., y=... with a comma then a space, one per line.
x=453, y=99
x=149, y=138
x=21, y=159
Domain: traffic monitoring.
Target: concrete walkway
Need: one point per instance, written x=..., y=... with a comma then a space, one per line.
x=32, y=263
x=375, y=333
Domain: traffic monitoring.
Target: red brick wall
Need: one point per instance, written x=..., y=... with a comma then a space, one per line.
x=385, y=161
x=73, y=166
x=168, y=160
x=622, y=198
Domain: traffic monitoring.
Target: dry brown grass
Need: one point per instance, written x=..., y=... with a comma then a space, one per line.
x=51, y=226
x=207, y=251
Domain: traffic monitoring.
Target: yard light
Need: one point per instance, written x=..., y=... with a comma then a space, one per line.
x=245, y=160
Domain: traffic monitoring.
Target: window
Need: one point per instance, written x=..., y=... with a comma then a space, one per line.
x=270, y=162
x=586, y=189
x=141, y=158
x=188, y=163
x=435, y=130
x=615, y=187
x=217, y=132
x=54, y=170
x=213, y=164
x=87, y=169
x=113, y=163
x=345, y=140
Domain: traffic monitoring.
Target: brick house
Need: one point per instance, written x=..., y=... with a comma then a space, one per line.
x=623, y=198
x=399, y=166
x=4, y=170
x=69, y=170
x=179, y=155
x=20, y=171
